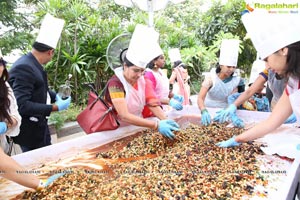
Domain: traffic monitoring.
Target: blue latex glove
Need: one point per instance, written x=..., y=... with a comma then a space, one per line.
x=179, y=98
x=205, y=117
x=46, y=182
x=3, y=128
x=62, y=104
x=52, y=178
x=222, y=115
x=228, y=143
x=231, y=98
x=237, y=122
x=165, y=127
x=262, y=104
x=291, y=119
x=175, y=104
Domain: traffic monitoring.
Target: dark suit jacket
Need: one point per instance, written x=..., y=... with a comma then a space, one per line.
x=28, y=80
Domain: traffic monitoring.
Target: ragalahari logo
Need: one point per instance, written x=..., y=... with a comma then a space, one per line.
x=273, y=6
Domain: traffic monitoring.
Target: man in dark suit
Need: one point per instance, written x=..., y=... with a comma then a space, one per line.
x=28, y=80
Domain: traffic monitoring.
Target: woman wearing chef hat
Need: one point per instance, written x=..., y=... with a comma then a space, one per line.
x=28, y=80
x=221, y=83
x=277, y=40
x=257, y=80
x=179, y=77
x=128, y=91
x=160, y=83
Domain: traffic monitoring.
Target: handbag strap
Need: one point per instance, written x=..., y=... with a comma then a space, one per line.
x=109, y=108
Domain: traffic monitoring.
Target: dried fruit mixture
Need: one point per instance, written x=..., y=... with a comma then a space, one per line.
x=150, y=166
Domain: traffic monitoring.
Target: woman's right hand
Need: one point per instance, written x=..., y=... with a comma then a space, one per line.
x=165, y=127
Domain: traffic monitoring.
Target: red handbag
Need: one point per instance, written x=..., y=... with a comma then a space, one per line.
x=97, y=116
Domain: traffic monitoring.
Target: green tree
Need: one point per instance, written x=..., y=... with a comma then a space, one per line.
x=15, y=26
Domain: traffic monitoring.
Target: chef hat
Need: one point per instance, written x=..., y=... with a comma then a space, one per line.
x=143, y=46
x=174, y=55
x=271, y=32
x=229, y=52
x=257, y=67
x=50, y=31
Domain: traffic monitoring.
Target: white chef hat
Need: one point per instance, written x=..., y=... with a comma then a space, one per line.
x=50, y=31
x=271, y=32
x=174, y=55
x=257, y=67
x=229, y=52
x=143, y=46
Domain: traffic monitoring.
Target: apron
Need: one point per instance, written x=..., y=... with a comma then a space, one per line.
x=161, y=89
x=217, y=95
x=162, y=84
x=179, y=87
x=276, y=86
x=135, y=99
x=295, y=96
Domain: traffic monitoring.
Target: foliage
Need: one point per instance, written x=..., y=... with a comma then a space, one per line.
x=59, y=118
x=89, y=28
x=15, y=26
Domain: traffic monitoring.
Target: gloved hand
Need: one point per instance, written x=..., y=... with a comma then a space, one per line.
x=179, y=98
x=62, y=104
x=228, y=143
x=231, y=98
x=3, y=127
x=291, y=119
x=262, y=104
x=205, y=117
x=165, y=127
x=237, y=122
x=222, y=115
x=175, y=104
x=51, y=179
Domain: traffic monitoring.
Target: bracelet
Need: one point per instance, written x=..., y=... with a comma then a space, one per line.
x=41, y=185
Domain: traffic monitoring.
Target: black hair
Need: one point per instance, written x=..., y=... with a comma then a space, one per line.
x=151, y=64
x=179, y=62
x=3, y=62
x=41, y=47
x=293, y=60
x=127, y=62
x=218, y=69
x=4, y=100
